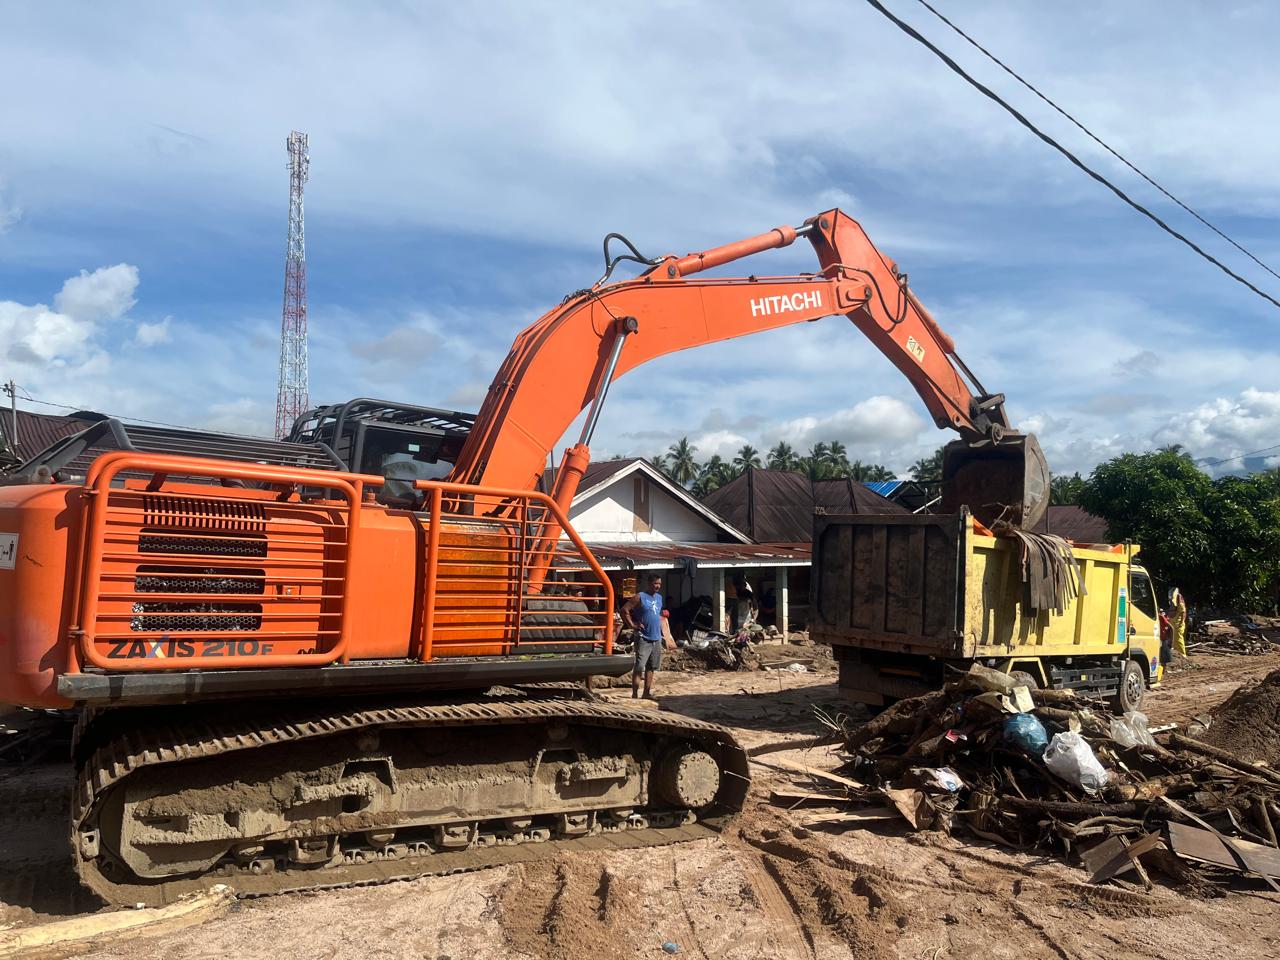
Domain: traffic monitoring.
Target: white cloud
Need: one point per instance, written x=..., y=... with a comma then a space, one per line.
x=58, y=346
x=151, y=334
x=875, y=425
x=1226, y=427
x=724, y=443
x=35, y=335
x=105, y=294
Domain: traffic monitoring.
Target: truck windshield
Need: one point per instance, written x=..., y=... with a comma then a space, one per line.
x=1144, y=596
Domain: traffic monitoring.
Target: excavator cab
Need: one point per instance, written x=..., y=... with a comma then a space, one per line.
x=1005, y=481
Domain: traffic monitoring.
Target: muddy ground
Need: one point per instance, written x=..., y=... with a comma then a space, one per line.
x=769, y=888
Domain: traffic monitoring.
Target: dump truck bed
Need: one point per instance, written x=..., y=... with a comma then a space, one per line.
x=938, y=587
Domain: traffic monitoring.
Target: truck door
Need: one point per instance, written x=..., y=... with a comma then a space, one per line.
x=1144, y=619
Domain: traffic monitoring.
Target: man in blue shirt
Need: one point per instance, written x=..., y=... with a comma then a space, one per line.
x=643, y=613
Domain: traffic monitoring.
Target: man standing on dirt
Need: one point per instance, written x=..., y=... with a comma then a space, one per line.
x=643, y=613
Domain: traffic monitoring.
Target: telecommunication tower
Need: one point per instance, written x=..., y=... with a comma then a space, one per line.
x=294, y=395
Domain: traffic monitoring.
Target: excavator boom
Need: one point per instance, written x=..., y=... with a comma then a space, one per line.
x=563, y=363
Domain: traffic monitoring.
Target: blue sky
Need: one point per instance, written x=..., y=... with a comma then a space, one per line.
x=466, y=161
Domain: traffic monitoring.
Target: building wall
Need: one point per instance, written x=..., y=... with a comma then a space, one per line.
x=634, y=509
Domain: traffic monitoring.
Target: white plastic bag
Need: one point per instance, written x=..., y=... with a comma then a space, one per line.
x=1131, y=730
x=1071, y=757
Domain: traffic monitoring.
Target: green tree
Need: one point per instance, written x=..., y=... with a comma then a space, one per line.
x=659, y=462
x=869, y=472
x=681, y=466
x=1244, y=564
x=783, y=457
x=1218, y=540
x=713, y=475
x=838, y=459
x=748, y=456
x=818, y=463
x=1066, y=490
x=928, y=469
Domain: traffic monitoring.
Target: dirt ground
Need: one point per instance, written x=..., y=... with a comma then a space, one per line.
x=768, y=888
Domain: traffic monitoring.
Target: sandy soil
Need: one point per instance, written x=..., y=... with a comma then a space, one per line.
x=768, y=888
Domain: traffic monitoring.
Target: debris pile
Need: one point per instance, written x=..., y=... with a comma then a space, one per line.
x=1049, y=770
x=1244, y=635
x=1248, y=723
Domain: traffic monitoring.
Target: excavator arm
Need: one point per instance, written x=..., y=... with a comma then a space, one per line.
x=564, y=362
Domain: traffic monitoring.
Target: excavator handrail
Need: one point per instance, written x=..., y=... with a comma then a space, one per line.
x=99, y=491
x=543, y=549
x=517, y=574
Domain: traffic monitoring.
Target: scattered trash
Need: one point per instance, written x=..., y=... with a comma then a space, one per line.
x=1131, y=730
x=1242, y=635
x=1027, y=733
x=1100, y=789
x=944, y=777
x=670, y=947
x=1070, y=757
x=796, y=668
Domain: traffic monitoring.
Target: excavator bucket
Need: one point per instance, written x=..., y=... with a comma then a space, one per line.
x=1006, y=481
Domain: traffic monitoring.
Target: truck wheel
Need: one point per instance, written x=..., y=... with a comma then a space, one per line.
x=1133, y=685
x=1028, y=680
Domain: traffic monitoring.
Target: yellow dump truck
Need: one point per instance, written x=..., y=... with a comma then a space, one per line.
x=900, y=598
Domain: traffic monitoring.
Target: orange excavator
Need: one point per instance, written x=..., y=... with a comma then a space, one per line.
x=344, y=657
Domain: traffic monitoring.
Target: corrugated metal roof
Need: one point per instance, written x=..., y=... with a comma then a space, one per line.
x=776, y=506
x=39, y=431
x=883, y=487
x=668, y=554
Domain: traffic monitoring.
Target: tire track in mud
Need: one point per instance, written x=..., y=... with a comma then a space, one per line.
x=814, y=896
x=794, y=940
x=568, y=909
x=684, y=908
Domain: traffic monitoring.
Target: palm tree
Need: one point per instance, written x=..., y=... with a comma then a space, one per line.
x=817, y=463
x=659, y=462
x=869, y=472
x=928, y=469
x=682, y=468
x=713, y=475
x=783, y=457
x=748, y=456
x=838, y=458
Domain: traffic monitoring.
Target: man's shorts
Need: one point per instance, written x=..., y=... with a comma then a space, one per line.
x=648, y=655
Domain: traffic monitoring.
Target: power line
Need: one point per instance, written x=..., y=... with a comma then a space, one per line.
x=1090, y=134
x=1242, y=456
x=67, y=406
x=1013, y=112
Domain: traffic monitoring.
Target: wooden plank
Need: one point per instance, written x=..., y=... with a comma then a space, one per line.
x=812, y=771
x=1116, y=856
x=869, y=815
x=66, y=937
x=1204, y=846
x=796, y=798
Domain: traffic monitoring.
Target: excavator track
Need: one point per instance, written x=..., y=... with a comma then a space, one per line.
x=132, y=764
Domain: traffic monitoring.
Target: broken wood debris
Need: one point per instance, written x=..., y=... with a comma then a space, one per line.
x=1242, y=635
x=959, y=760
